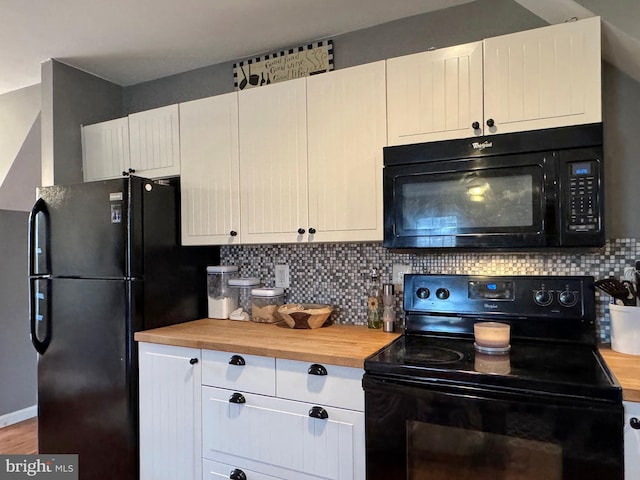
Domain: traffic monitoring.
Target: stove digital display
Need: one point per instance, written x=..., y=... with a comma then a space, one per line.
x=491, y=290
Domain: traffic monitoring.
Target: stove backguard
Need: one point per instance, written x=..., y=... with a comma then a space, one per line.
x=545, y=308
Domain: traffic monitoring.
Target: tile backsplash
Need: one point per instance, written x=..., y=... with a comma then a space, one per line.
x=338, y=274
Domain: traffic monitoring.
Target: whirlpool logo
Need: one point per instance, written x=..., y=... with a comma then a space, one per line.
x=58, y=467
x=481, y=146
x=490, y=306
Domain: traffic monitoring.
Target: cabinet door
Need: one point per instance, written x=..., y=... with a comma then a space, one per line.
x=216, y=471
x=170, y=420
x=210, y=171
x=346, y=112
x=273, y=162
x=105, y=149
x=435, y=95
x=631, y=441
x=154, y=138
x=280, y=438
x=543, y=78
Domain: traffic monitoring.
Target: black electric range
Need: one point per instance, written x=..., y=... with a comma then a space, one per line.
x=433, y=380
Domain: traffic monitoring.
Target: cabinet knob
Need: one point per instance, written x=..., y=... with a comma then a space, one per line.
x=475, y=125
x=193, y=361
x=233, y=233
x=237, y=474
x=132, y=170
x=318, y=412
x=490, y=122
x=301, y=231
x=237, y=398
x=635, y=423
x=237, y=360
x=312, y=231
x=317, y=369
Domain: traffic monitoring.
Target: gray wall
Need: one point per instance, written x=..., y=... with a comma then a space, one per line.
x=17, y=356
x=452, y=26
x=70, y=98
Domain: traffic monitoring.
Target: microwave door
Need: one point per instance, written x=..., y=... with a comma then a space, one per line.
x=474, y=208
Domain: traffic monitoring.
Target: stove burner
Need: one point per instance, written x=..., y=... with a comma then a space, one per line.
x=435, y=355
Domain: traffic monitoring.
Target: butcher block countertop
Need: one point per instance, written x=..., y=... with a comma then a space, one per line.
x=626, y=369
x=343, y=345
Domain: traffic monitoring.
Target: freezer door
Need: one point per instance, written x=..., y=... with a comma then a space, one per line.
x=81, y=230
x=87, y=380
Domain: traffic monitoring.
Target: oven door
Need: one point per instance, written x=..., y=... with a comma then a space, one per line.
x=501, y=201
x=422, y=431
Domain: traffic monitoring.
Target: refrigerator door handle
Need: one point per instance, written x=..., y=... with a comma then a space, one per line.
x=38, y=318
x=35, y=250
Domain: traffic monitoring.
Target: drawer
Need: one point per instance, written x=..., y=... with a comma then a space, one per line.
x=247, y=373
x=286, y=439
x=320, y=383
x=216, y=471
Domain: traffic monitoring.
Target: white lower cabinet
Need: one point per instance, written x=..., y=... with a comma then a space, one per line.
x=170, y=431
x=282, y=438
x=208, y=414
x=631, y=440
x=215, y=470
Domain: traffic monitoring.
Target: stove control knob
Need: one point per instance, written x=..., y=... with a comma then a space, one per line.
x=423, y=293
x=567, y=299
x=542, y=297
x=442, y=293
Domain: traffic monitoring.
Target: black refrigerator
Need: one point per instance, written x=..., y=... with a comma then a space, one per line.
x=105, y=261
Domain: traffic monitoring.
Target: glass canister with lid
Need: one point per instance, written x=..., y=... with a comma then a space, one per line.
x=222, y=300
x=265, y=303
x=241, y=288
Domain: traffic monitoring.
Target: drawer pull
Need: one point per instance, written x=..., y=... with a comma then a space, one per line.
x=237, y=360
x=635, y=423
x=237, y=474
x=318, y=412
x=193, y=361
x=317, y=369
x=237, y=398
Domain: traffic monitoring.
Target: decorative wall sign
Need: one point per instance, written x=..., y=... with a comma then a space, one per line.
x=302, y=61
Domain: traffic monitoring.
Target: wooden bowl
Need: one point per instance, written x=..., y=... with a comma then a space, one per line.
x=305, y=315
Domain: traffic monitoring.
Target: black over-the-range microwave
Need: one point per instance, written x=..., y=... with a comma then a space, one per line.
x=534, y=189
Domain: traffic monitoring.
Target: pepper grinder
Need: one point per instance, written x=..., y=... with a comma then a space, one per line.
x=388, y=314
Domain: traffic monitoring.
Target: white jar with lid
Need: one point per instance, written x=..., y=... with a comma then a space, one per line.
x=241, y=288
x=221, y=298
x=265, y=303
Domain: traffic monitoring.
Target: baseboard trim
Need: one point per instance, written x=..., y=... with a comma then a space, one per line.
x=18, y=416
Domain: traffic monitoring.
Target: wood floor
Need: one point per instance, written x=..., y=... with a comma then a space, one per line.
x=20, y=438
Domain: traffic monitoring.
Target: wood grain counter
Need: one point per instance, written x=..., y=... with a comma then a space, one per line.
x=626, y=369
x=344, y=345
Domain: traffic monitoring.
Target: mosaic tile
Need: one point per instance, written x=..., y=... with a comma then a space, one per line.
x=337, y=274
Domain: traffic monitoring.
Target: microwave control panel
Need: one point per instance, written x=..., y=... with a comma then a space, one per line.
x=584, y=201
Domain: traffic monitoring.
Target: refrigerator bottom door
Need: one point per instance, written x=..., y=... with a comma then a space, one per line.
x=87, y=380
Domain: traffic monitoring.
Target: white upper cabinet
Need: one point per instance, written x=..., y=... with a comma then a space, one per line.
x=273, y=162
x=146, y=144
x=154, y=139
x=543, y=78
x=346, y=114
x=435, y=95
x=209, y=178
x=105, y=149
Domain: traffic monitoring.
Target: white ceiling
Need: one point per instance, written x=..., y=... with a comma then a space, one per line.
x=132, y=41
